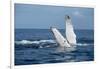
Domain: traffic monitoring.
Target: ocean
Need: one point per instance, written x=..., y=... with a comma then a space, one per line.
x=38, y=46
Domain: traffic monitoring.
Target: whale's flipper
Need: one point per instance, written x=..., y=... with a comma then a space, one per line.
x=59, y=38
x=70, y=35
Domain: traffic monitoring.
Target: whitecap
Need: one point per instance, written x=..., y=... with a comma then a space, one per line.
x=83, y=44
x=23, y=42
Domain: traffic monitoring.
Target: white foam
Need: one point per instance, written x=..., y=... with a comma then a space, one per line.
x=49, y=41
x=83, y=44
x=27, y=42
x=23, y=42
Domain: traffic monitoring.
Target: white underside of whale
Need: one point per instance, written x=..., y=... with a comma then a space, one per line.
x=70, y=38
x=59, y=38
x=70, y=34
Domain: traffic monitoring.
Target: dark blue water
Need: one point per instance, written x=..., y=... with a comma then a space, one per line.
x=38, y=46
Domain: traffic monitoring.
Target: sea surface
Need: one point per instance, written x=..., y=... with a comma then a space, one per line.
x=38, y=46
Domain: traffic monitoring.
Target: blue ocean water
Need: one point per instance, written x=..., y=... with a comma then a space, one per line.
x=38, y=46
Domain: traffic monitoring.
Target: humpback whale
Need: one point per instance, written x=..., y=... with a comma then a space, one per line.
x=70, y=40
x=70, y=35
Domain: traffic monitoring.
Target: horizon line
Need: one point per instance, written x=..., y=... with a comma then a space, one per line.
x=49, y=28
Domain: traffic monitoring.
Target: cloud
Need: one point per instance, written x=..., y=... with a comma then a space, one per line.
x=78, y=14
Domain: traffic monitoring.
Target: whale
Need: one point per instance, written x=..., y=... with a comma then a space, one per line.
x=59, y=38
x=70, y=34
x=69, y=41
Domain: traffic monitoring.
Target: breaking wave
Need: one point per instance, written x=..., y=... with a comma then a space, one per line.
x=84, y=44
x=28, y=42
x=23, y=42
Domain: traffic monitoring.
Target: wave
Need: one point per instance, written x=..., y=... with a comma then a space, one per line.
x=84, y=44
x=44, y=42
x=23, y=42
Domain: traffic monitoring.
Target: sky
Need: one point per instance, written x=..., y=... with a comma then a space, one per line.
x=32, y=16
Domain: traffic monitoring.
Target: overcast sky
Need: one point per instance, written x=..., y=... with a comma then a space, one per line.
x=43, y=16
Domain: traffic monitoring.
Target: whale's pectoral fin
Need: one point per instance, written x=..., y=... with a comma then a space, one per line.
x=59, y=38
x=70, y=34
